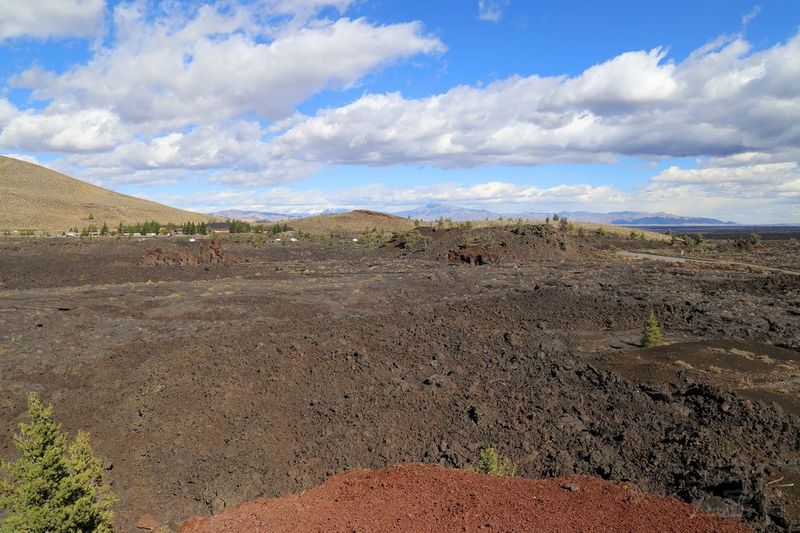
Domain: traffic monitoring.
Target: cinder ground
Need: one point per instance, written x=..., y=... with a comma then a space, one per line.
x=426, y=498
x=279, y=365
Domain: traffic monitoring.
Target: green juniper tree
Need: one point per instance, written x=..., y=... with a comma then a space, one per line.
x=53, y=486
x=651, y=333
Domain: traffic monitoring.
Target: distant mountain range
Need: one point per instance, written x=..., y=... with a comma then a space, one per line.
x=253, y=216
x=436, y=210
x=630, y=218
x=269, y=216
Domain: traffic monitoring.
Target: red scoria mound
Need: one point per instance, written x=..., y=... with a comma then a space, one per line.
x=209, y=253
x=433, y=498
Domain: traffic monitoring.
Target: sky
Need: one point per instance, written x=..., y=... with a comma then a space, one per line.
x=685, y=107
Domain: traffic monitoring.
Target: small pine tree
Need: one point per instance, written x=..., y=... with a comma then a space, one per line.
x=104, y=230
x=651, y=333
x=491, y=462
x=53, y=487
x=88, y=503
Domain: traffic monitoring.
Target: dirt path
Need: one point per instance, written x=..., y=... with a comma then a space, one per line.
x=719, y=262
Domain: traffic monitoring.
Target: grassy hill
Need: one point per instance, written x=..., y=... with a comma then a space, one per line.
x=358, y=221
x=34, y=197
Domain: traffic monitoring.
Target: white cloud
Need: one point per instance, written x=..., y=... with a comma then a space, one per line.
x=722, y=101
x=221, y=64
x=7, y=111
x=491, y=10
x=182, y=89
x=79, y=131
x=749, y=16
x=767, y=180
x=51, y=18
x=213, y=92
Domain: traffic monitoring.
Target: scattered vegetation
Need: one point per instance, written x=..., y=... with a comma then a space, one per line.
x=443, y=224
x=53, y=486
x=89, y=230
x=190, y=228
x=491, y=462
x=277, y=229
x=144, y=228
x=239, y=226
x=698, y=239
x=373, y=238
x=651, y=333
x=413, y=239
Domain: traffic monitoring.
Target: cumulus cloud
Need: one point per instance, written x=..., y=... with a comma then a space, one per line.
x=169, y=72
x=7, y=111
x=195, y=87
x=51, y=18
x=83, y=130
x=721, y=101
x=767, y=180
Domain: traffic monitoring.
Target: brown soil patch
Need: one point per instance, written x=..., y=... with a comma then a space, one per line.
x=432, y=498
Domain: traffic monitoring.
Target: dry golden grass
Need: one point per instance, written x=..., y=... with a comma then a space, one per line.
x=34, y=197
x=352, y=222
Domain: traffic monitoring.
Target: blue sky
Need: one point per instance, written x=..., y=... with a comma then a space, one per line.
x=300, y=105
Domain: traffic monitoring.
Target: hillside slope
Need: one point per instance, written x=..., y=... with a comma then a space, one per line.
x=34, y=197
x=357, y=221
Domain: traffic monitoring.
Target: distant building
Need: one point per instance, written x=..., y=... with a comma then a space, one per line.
x=217, y=227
